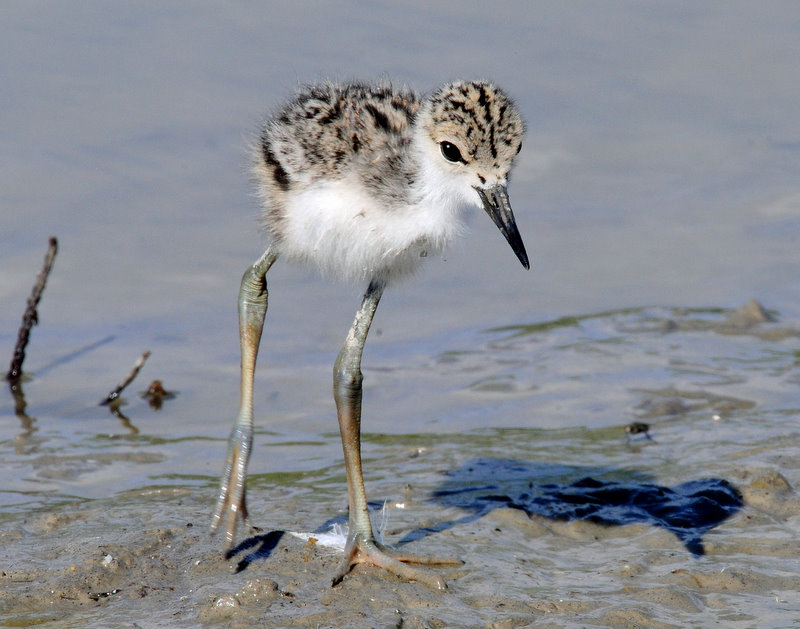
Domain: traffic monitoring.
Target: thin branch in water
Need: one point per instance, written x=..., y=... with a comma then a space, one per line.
x=136, y=367
x=31, y=317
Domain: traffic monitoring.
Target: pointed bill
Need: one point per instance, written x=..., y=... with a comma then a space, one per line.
x=495, y=202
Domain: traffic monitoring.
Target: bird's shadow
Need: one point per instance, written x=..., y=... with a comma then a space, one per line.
x=601, y=495
x=606, y=496
x=257, y=547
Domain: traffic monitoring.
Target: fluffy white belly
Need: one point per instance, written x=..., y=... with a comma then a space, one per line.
x=346, y=233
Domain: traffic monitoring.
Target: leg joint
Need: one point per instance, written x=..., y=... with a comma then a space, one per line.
x=254, y=285
x=347, y=379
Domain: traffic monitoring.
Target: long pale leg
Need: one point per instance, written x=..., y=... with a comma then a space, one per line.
x=361, y=545
x=232, y=500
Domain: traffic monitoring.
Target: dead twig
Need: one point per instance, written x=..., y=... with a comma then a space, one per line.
x=31, y=317
x=136, y=367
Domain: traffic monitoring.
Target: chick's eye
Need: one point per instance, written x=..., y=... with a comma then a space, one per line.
x=450, y=152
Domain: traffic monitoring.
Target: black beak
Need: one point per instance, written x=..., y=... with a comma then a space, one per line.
x=495, y=202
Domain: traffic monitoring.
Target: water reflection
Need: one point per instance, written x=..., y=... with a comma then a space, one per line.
x=24, y=440
x=115, y=409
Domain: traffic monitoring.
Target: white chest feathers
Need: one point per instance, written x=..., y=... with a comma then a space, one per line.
x=347, y=233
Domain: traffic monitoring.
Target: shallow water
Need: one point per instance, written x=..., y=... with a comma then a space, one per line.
x=657, y=192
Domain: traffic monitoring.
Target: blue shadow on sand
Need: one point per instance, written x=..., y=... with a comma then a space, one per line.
x=562, y=493
x=257, y=547
x=688, y=510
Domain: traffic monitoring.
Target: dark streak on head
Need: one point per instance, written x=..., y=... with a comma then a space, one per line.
x=279, y=174
x=381, y=120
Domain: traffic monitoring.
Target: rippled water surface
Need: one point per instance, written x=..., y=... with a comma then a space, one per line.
x=657, y=193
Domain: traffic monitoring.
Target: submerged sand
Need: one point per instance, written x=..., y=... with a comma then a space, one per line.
x=693, y=522
x=150, y=562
